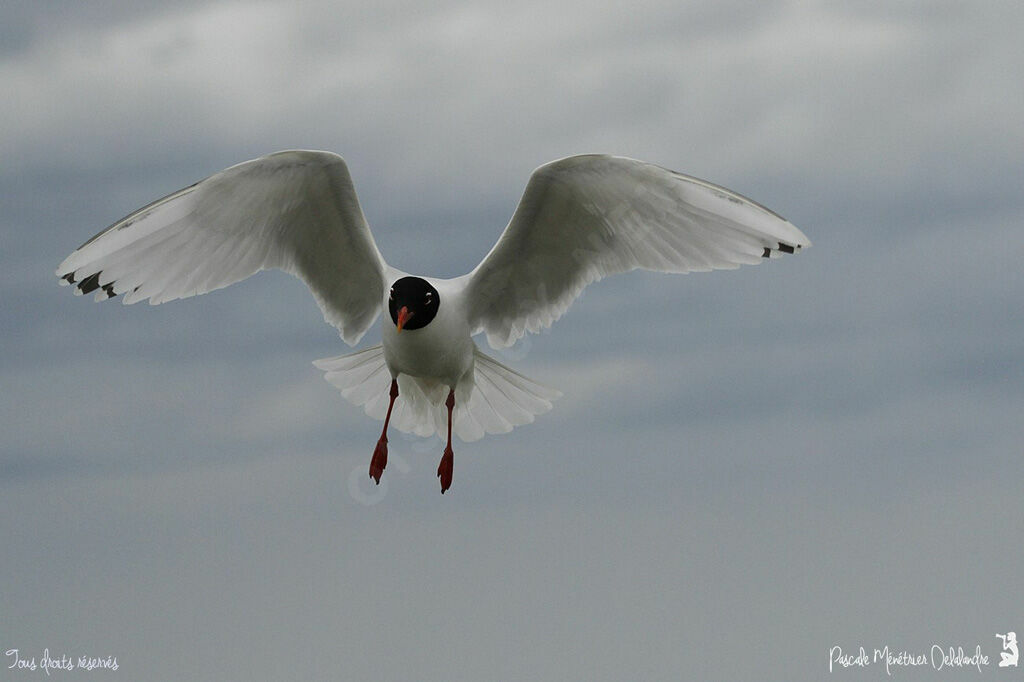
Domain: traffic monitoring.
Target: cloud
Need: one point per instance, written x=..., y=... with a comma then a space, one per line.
x=855, y=99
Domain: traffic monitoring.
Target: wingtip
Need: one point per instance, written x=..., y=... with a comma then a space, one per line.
x=791, y=247
x=799, y=239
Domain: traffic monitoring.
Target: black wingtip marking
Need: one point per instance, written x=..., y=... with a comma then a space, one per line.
x=89, y=284
x=767, y=252
x=69, y=278
x=786, y=248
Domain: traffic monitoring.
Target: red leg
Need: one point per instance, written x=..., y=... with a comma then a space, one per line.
x=380, y=453
x=444, y=470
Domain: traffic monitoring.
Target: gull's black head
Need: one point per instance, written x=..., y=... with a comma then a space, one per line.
x=412, y=303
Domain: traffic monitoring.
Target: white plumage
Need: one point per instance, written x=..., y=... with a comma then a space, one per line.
x=580, y=219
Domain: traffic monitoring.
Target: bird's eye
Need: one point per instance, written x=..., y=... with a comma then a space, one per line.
x=391, y=294
x=430, y=296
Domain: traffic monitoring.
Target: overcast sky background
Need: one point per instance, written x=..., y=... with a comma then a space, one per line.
x=748, y=467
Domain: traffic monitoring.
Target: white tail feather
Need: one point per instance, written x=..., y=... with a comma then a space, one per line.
x=494, y=399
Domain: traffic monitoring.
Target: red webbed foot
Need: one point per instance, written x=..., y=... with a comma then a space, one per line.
x=379, y=460
x=380, y=453
x=444, y=469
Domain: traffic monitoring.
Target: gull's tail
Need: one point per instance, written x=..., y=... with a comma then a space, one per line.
x=494, y=399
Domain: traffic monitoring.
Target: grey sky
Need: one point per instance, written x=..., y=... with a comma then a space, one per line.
x=747, y=467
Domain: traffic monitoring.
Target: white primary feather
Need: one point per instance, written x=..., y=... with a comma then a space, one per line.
x=585, y=217
x=294, y=210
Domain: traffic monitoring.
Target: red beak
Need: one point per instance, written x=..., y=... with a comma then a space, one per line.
x=403, y=317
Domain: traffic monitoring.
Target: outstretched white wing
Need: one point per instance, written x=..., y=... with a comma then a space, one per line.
x=293, y=210
x=585, y=217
